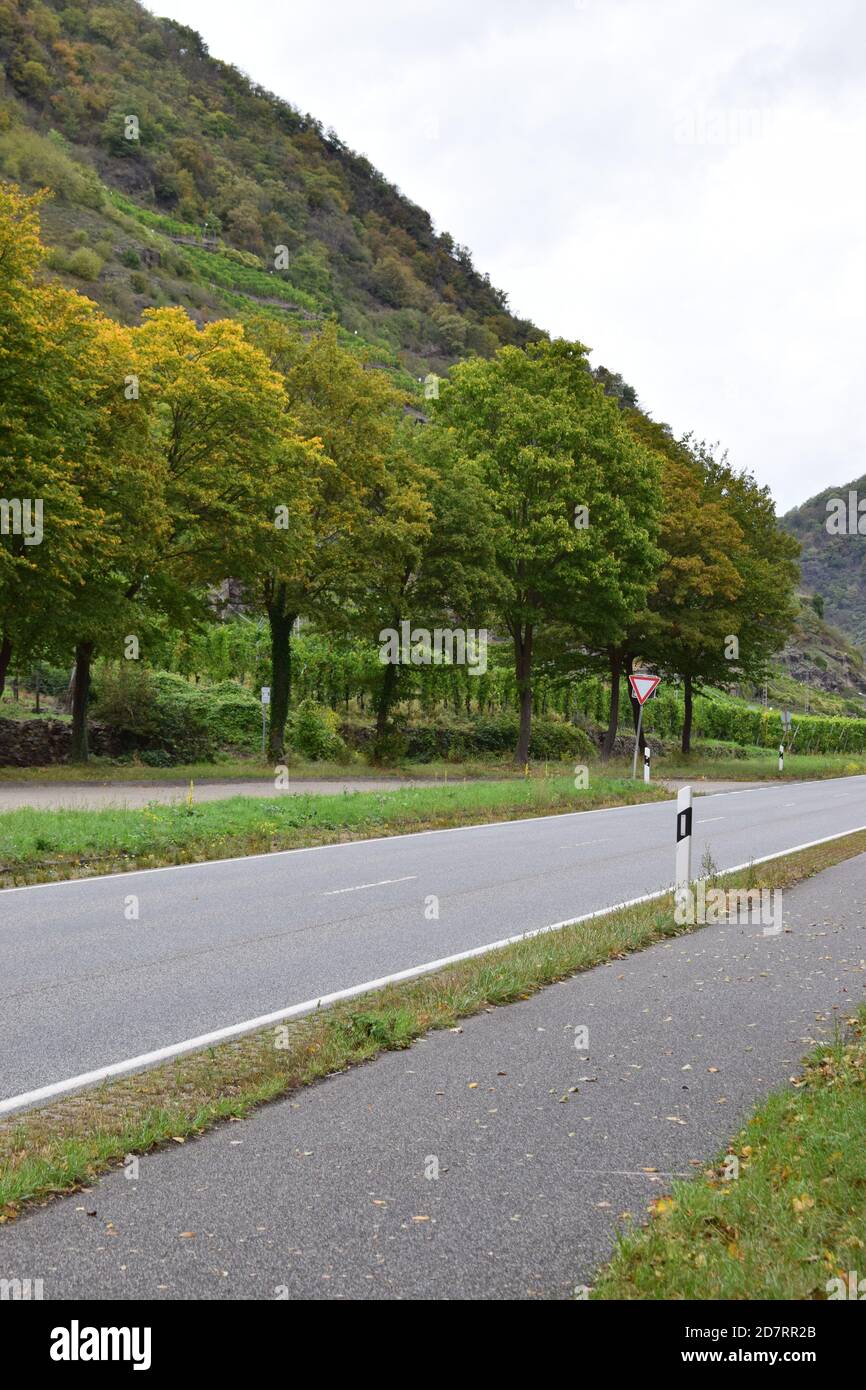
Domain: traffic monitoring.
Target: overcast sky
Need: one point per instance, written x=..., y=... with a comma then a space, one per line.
x=677, y=183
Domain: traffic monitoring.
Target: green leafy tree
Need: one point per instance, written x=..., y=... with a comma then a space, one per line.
x=427, y=557
x=56, y=439
x=334, y=503
x=723, y=600
x=574, y=496
x=766, y=562
x=189, y=500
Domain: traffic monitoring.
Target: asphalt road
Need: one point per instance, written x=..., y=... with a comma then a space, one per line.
x=333, y=1193
x=215, y=944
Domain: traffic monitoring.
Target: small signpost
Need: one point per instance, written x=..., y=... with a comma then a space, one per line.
x=642, y=686
x=266, y=700
x=786, y=725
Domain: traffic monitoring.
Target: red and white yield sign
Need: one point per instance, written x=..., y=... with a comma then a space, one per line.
x=643, y=686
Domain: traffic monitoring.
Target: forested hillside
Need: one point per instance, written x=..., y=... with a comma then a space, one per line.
x=177, y=180
x=833, y=562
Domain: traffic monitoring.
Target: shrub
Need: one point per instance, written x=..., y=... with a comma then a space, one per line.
x=31, y=158
x=124, y=696
x=453, y=740
x=84, y=263
x=235, y=717
x=157, y=711
x=390, y=748
x=314, y=732
x=156, y=757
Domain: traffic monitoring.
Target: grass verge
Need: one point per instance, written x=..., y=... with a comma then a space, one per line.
x=67, y=1145
x=793, y=1219
x=762, y=766
x=757, y=765
x=42, y=846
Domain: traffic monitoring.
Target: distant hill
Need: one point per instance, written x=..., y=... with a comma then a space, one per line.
x=832, y=566
x=227, y=199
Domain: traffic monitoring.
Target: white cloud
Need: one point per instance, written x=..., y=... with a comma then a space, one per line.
x=677, y=184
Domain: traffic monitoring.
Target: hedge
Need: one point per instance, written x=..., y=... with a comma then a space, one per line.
x=728, y=721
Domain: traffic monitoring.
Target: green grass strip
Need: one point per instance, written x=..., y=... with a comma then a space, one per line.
x=43, y=846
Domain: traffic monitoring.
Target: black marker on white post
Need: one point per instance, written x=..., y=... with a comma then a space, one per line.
x=684, y=845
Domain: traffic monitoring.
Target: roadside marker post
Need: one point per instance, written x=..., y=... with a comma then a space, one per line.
x=781, y=757
x=642, y=686
x=266, y=700
x=684, y=844
x=646, y=762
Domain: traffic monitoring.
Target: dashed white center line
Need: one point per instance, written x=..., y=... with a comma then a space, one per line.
x=710, y=818
x=575, y=844
x=331, y=892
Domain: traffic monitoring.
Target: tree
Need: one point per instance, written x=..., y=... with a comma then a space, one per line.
x=53, y=346
x=723, y=598
x=693, y=608
x=765, y=609
x=190, y=499
x=117, y=474
x=351, y=413
x=427, y=557
x=559, y=466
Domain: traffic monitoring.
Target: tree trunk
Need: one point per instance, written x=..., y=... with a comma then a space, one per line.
x=281, y=624
x=80, y=695
x=386, y=696
x=614, y=656
x=523, y=671
x=687, y=714
x=5, y=658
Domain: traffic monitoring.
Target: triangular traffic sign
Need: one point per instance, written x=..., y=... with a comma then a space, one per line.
x=643, y=686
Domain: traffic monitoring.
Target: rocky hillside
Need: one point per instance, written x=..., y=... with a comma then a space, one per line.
x=820, y=664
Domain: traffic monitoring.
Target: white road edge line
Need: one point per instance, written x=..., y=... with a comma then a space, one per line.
x=410, y=835
x=332, y=892
x=236, y=1030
